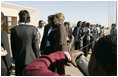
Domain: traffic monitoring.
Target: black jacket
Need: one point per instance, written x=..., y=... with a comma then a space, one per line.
x=50, y=38
x=5, y=60
x=81, y=33
x=70, y=34
x=44, y=39
x=24, y=44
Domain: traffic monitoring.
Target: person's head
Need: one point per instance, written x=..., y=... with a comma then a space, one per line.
x=24, y=16
x=67, y=24
x=84, y=24
x=2, y=18
x=79, y=23
x=97, y=25
x=100, y=26
x=88, y=25
x=113, y=25
x=41, y=23
x=58, y=18
x=51, y=20
x=104, y=57
x=91, y=26
x=94, y=26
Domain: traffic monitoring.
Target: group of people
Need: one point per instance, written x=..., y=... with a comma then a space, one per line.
x=43, y=50
x=28, y=42
x=85, y=35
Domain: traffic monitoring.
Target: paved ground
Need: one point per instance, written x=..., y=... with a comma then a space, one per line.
x=71, y=70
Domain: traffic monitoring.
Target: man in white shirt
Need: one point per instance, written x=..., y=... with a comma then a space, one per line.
x=40, y=31
x=98, y=30
x=47, y=43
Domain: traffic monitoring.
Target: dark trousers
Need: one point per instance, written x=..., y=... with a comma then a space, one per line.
x=92, y=44
x=55, y=68
x=5, y=72
x=77, y=45
x=18, y=70
x=48, y=50
x=86, y=49
x=60, y=69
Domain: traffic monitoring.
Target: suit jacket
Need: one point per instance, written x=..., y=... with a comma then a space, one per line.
x=50, y=38
x=69, y=30
x=60, y=39
x=44, y=39
x=75, y=32
x=81, y=33
x=94, y=33
x=5, y=60
x=24, y=43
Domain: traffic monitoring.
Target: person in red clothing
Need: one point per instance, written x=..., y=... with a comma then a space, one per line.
x=103, y=61
x=40, y=66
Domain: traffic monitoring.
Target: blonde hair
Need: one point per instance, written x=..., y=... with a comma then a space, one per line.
x=60, y=16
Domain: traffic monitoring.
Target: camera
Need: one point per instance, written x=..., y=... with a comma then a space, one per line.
x=82, y=64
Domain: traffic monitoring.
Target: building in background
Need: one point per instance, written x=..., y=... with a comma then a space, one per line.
x=11, y=15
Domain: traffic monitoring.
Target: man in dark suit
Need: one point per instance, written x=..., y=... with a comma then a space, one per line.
x=47, y=44
x=24, y=42
x=5, y=52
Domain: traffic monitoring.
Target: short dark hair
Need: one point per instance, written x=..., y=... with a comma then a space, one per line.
x=99, y=25
x=102, y=27
x=113, y=24
x=51, y=17
x=105, y=52
x=88, y=25
x=67, y=23
x=2, y=17
x=24, y=16
x=41, y=21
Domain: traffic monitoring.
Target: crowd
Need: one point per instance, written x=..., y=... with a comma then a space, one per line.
x=44, y=50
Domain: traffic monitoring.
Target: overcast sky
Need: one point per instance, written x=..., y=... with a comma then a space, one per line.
x=95, y=12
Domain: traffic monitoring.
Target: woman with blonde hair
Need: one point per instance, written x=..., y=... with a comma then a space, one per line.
x=60, y=38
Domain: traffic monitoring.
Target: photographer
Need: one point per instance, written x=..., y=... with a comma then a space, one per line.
x=103, y=61
x=40, y=66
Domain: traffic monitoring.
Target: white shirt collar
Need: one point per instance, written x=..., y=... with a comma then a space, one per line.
x=22, y=23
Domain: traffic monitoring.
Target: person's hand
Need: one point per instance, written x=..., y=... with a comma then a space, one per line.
x=75, y=54
x=90, y=34
x=3, y=52
x=67, y=38
x=68, y=43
